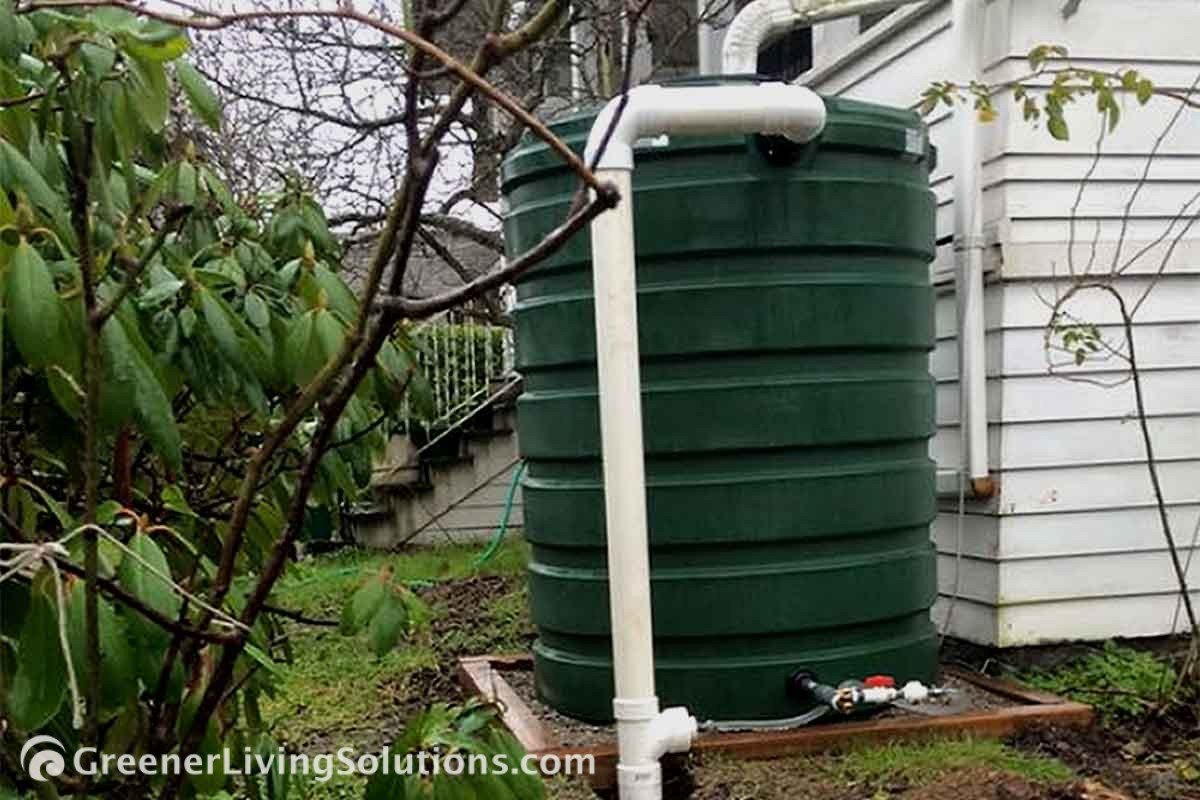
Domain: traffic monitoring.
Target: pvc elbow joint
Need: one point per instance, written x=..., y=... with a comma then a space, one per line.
x=769, y=108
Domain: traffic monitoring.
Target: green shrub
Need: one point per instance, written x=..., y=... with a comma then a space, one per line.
x=1117, y=681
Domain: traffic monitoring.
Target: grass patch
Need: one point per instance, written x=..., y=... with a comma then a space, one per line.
x=335, y=692
x=925, y=762
x=1117, y=681
x=324, y=582
x=963, y=767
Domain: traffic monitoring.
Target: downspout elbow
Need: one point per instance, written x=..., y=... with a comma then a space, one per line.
x=753, y=27
x=763, y=20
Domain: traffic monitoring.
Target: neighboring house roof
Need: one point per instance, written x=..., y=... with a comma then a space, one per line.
x=428, y=273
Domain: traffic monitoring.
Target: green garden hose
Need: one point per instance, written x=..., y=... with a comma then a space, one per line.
x=480, y=561
x=498, y=538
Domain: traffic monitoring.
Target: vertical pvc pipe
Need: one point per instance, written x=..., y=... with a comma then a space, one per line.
x=621, y=436
x=577, y=45
x=644, y=733
x=635, y=705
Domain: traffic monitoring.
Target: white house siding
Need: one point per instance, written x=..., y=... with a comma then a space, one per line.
x=1071, y=548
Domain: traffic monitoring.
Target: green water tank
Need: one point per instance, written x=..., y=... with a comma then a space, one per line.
x=786, y=320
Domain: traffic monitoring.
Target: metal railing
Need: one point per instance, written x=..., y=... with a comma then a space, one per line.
x=463, y=360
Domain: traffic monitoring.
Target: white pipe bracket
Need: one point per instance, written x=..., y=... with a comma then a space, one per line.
x=962, y=243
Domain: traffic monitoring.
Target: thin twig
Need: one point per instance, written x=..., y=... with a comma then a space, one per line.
x=212, y=21
x=296, y=616
x=80, y=154
x=417, y=309
x=1145, y=176
x=134, y=269
x=12, y=102
x=115, y=591
x=161, y=620
x=358, y=435
x=634, y=15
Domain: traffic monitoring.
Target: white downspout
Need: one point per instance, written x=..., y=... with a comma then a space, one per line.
x=713, y=17
x=763, y=20
x=644, y=734
x=968, y=251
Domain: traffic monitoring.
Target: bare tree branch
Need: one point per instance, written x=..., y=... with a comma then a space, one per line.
x=417, y=309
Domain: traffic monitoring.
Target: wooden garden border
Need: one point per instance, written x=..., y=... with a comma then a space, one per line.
x=483, y=677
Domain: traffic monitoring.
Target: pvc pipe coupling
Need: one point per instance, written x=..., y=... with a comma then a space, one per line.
x=645, y=735
x=654, y=733
x=773, y=108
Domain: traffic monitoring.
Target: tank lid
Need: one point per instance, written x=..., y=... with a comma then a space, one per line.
x=851, y=125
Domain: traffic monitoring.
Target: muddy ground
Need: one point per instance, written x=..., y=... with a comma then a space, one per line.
x=1157, y=759
x=1147, y=763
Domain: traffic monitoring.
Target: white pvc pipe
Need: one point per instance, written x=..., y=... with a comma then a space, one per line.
x=621, y=431
x=764, y=20
x=713, y=18
x=577, y=46
x=968, y=250
x=771, y=108
x=644, y=734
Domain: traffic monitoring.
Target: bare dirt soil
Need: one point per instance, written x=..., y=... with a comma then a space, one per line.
x=1154, y=757
x=453, y=633
x=1149, y=761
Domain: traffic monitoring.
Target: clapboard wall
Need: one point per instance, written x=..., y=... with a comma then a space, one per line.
x=1071, y=547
